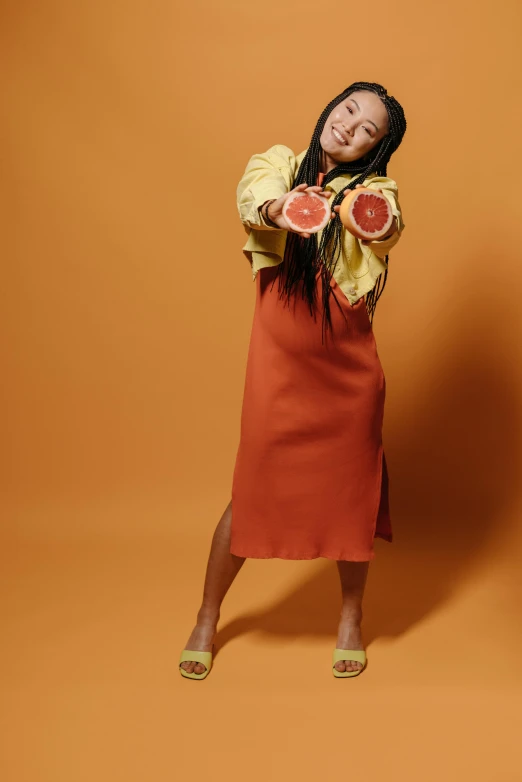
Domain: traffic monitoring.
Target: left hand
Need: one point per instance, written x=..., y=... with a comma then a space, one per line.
x=393, y=227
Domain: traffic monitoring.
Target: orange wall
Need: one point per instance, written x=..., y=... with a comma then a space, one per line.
x=127, y=302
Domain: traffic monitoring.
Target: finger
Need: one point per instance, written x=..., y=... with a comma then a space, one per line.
x=319, y=191
x=336, y=208
x=357, y=187
x=316, y=188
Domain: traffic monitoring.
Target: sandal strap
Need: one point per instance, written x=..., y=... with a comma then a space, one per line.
x=357, y=655
x=198, y=657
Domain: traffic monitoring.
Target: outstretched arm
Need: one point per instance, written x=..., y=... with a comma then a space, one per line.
x=268, y=175
x=265, y=187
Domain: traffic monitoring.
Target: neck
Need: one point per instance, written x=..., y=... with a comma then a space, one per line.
x=327, y=163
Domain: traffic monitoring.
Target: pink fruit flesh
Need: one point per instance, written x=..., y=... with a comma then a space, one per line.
x=306, y=212
x=371, y=214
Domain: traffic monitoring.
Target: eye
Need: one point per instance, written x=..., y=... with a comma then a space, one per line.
x=349, y=109
x=368, y=132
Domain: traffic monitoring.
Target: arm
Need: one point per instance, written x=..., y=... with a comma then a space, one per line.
x=267, y=176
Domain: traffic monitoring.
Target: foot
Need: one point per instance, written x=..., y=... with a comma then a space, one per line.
x=201, y=640
x=349, y=637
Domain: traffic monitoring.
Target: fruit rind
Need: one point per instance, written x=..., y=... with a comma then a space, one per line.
x=347, y=218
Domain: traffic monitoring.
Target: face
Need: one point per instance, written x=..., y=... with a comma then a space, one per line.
x=354, y=127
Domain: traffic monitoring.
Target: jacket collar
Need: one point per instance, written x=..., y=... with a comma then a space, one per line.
x=337, y=184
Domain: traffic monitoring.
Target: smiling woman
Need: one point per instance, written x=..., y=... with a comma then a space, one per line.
x=310, y=477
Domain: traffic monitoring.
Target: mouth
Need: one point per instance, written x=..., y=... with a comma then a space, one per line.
x=339, y=137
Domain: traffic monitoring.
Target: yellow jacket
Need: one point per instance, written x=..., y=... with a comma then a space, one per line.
x=270, y=175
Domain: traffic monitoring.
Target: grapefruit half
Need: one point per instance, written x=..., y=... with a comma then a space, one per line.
x=366, y=214
x=306, y=212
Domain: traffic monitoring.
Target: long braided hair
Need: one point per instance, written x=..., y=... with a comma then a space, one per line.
x=303, y=257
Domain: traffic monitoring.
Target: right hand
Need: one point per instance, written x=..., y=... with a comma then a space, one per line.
x=275, y=210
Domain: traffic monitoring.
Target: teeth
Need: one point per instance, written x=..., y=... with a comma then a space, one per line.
x=338, y=136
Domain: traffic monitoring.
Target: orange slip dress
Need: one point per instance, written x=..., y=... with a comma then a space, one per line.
x=310, y=477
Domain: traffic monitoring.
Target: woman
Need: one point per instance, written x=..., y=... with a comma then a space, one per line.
x=310, y=478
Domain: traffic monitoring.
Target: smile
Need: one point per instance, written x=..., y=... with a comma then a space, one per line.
x=338, y=137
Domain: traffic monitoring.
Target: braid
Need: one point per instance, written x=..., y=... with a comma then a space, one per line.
x=304, y=258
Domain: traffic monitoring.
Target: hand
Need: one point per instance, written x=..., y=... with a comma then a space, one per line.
x=275, y=209
x=393, y=227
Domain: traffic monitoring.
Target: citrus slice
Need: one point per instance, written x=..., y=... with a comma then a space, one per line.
x=366, y=214
x=306, y=212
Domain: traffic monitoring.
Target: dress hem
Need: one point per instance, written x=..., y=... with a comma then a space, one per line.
x=236, y=551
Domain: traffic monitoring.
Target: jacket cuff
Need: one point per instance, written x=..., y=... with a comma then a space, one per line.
x=267, y=242
x=254, y=198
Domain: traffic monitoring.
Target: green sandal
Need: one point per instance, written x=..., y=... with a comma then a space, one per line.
x=358, y=655
x=198, y=657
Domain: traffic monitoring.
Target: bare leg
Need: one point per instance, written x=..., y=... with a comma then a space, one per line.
x=353, y=580
x=222, y=568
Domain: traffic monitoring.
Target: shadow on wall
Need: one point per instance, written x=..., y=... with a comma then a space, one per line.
x=454, y=466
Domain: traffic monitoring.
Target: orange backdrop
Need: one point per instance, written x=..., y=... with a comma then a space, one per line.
x=126, y=310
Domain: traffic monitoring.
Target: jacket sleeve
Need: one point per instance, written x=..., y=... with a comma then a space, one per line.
x=390, y=191
x=267, y=175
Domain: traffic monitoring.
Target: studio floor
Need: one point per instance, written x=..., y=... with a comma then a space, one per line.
x=93, y=626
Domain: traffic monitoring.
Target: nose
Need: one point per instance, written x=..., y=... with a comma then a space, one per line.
x=348, y=128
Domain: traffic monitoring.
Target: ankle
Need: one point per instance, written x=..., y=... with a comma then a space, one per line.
x=208, y=616
x=351, y=615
